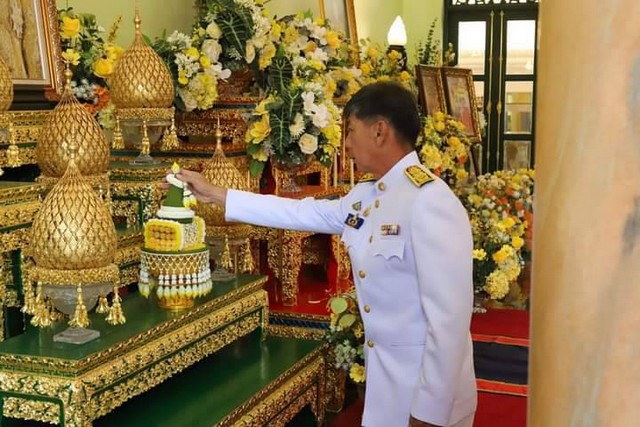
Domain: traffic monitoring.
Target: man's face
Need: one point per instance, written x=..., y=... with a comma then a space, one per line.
x=360, y=143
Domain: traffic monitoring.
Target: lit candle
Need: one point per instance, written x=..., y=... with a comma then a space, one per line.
x=351, y=173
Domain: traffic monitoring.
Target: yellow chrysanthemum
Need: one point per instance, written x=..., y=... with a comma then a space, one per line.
x=71, y=56
x=357, y=373
x=333, y=39
x=431, y=156
x=266, y=55
x=192, y=52
x=503, y=254
x=182, y=77
x=479, y=254
x=365, y=68
x=517, y=242
x=497, y=285
x=439, y=126
x=260, y=155
x=205, y=61
x=439, y=116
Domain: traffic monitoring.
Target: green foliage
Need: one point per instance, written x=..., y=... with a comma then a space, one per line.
x=429, y=51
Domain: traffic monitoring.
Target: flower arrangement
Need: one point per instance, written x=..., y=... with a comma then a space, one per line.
x=346, y=335
x=194, y=64
x=295, y=123
x=429, y=52
x=500, y=207
x=84, y=47
x=444, y=148
x=247, y=34
x=376, y=64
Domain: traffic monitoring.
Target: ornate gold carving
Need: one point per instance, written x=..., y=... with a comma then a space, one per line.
x=148, y=195
x=270, y=405
x=22, y=213
x=26, y=127
x=336, y=380
x=129, y=275
x=296, y=332
x=233, y=123
x=145, y=113
x=96, y=385
x=20, y=193
x=16, y=239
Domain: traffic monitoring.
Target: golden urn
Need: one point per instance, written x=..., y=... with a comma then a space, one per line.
x=6, y=86
x=141, y=79
x=73, y=243
x=71, y=120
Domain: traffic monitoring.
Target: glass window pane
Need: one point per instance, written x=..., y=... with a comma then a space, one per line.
x=518, y=107
x=517, y=154
x=521, y=37
x=479, y=88
x=472, y=45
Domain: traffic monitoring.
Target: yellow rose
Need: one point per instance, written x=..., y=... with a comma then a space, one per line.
x=517, y=242
x=394, y=55
x=333, y=40
x=71, y=56
x=438, y=116
x=438, y=126
x=405, y=76
x=103, y=68
x=372, y=52
x=365, y=68
x=259, y=130
x=454, y=141
x=70, y=28
x=113, y=52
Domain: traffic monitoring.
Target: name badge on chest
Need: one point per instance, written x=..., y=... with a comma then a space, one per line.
x=354, y=221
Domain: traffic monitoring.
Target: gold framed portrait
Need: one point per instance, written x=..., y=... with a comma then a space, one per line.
x=430, y=89
x=460, y=94
x=342, y=15
x=30, y=44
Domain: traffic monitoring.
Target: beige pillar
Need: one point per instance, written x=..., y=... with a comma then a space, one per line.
x=585, y=356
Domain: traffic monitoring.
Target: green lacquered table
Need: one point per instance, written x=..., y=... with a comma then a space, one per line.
x=251, y=382
x=73, y=385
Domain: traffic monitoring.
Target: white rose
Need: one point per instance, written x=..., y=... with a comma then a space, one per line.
x=214, y=31
x=212, y=49
x=251, y=53
x=308, y=143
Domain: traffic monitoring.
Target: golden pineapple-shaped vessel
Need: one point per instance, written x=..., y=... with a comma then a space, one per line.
x=68, y=120
x=73, y=243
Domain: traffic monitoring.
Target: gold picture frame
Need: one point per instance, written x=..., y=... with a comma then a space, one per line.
x=430, y=89
x=460, y=94
x=30, y=44
x=342, y=14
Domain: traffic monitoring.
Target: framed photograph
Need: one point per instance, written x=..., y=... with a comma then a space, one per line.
x=342, y=15
x=461, y=99
x=30, y=44
x=431, y=89
x=516, y=155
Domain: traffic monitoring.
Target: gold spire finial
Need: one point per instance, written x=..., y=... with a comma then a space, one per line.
x=68, y=75
x=218, y=135
x=137, y=21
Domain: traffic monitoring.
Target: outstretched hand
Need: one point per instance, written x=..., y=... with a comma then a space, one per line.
x=202, y=189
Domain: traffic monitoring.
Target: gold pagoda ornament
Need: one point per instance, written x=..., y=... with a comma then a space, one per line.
x=73, y=244
x=68, y=120
x=142, y=90
x=221, y=172
x=6, y=98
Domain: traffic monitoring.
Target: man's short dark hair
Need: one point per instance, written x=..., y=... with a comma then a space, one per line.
x=390, y=101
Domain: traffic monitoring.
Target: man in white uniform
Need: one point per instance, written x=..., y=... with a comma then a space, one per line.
x=410, y=245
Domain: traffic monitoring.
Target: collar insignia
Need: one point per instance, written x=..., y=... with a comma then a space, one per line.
x=367, y=177
x=356, y=206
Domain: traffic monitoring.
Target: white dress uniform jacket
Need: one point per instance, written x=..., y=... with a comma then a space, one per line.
x=411, y=252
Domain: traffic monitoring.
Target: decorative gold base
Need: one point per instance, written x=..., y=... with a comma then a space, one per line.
x=176, y=304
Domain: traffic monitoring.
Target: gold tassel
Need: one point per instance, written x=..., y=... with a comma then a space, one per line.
x=145, y=150
x=41, y=316
x=118, y=140
x=103, y=305
x=13, y=152
x=54, y=314
x=247, y=258
x=225, y=259
x=170, y=139
x=29, y=299
x=116, y=316
x=80, y=317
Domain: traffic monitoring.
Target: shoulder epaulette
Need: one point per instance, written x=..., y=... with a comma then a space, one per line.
x=367, y=177
x=418, y=174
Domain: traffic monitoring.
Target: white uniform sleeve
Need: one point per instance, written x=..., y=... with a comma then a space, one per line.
x=443, y=247
x=318, y=216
